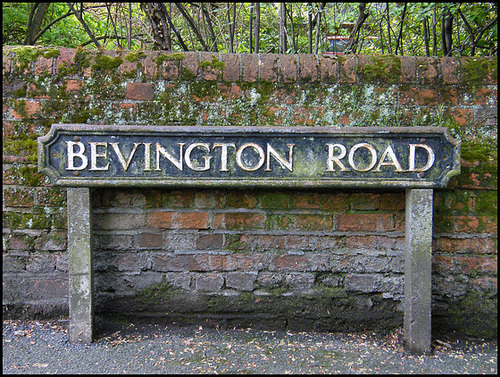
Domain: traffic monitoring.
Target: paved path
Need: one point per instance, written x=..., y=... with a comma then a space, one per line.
x=42, y=347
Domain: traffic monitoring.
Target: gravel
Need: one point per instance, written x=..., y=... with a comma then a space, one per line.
x=42, y=347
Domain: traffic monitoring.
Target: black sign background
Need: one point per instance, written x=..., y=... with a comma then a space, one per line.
x=310, y=156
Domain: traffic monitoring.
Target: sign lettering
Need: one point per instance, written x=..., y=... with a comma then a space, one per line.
x=85, y=155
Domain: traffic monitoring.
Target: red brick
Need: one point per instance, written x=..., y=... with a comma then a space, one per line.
x=365, y=222
x=181, y=262
x=334, y=202
x=463, y=116
x=308, y=68
x=43, y=66
x=288, y=68
x=238, y=221
x=392, y=202
x=365, y=201
x=73, y=85
x=239, y=199
x=269, y=67
x=119, y=220
x=348, y=69
x=140, y=91
x=408, y=69
x=250, y=63
x=149, y=66
x=290, y=263
x=232, y=68
x=427, y=69
x=305, y=201
x=329, y=68
x=443, y=264
x=480, y=265
x=149, y=240
x=191, y=62
x=176, y=220
x=314, y=222
x=66, y=56
x=232, y=262
x=449, y=68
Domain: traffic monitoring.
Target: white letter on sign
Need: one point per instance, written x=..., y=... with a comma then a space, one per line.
x=207, y=159
x=94, y=155
x=389, y=152
x=372, y=151
x=430, y=157
x=72, y=154
x=336, y=159
x=259, y=150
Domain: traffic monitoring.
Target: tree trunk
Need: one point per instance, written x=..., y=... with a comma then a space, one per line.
x=353, y=38
x=191, y=23
x=207, y=17
x=426, y=36
x=310, y=27
x=389, y=43
x=257, y=28
x=37, y=14
x=399, y=41
x=282, y=37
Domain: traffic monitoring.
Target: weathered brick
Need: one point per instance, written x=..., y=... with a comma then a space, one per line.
x=365, y=222
x=191, y=62
x=18, y=197
x=347, y=70
x=476, y=264
x=449, y=69
x=308, y=68
x=269, y=69
x=238, y=221
x=232, y=69
x=408, y=69
x=179, y=220
x=334, y=202
x=11, y=263
x=132, y=262
x=365, y=201
x=392, y=201
x=169, y=70
x=181, y=262
x=300, y=280
x=43, y=66
x=329, y=68
x=119, y=220
x=149, y=240
x=250, y=67
x=140, y=91
x=149, y=66
x=210, y=241
x=288, y=68
x=209, y=282
x=242, y=281
x=290, y=263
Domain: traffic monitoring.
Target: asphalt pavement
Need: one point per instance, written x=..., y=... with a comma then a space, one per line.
x=36, y=347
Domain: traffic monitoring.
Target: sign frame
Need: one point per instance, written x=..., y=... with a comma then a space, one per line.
x=419, y=135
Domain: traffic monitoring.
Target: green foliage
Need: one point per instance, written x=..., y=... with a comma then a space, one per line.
x=390, y=28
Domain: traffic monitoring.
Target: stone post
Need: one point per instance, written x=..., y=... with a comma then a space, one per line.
x=81, y=270
x=418, y=263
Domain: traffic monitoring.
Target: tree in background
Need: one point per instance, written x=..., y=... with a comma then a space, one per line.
x=421, y=29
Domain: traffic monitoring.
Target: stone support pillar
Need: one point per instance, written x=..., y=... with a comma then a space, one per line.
x=81, y=270
x=418, y=263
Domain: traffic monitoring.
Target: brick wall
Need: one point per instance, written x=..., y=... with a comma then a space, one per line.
x=303, y=259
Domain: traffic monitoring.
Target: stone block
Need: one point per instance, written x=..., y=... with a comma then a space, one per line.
x=241, y=281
